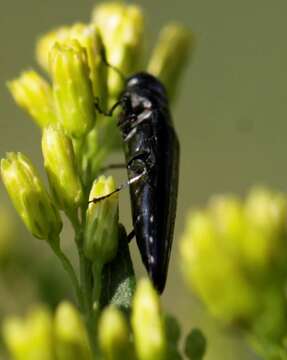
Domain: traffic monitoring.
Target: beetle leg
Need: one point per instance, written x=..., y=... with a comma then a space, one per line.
x=105, y=61
x=131, y=235
x=130, y=134
x=121, y=187
x=145, y=115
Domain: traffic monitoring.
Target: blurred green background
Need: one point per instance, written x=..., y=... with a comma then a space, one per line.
x=231, y=113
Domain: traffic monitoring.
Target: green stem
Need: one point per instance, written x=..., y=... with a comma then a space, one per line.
x=97, y=270
x=86, y=289
x=55, y=245
x=85, y=279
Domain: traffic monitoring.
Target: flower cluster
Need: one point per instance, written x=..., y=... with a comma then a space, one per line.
x=83, y=65
x=62, y=336
x=234, y=256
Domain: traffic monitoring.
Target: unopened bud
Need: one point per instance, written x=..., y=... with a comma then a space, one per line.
x=34, y=94
x=121, y=27
x=170, y=56
x=114, y=335
x=70, y=334
x=90, y=39
x=72, y=88
x=60, y=164
x=46, y=42
x=30, y=197
x=148, y=323
x=101, y=234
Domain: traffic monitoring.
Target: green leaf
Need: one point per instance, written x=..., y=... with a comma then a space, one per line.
x=118, y=279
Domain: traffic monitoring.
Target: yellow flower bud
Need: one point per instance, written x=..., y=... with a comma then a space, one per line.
x=46, y=42
x=30, y=197
x=170, y=56
x=114, y=335
x=148, y=323
x=30, y=338
x=121, y=27
x=60, y=164
x=101, y=233
x=70, y=334
x=34, y=94
x=90, y=39
x=72, y=88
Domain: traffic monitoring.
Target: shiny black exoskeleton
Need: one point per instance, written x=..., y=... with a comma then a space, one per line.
x=152, y=156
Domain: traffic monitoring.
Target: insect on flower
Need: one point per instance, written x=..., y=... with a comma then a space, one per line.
x=152, y=160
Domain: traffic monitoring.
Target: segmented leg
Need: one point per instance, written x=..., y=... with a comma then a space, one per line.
x=131, y=235
x=121, y=187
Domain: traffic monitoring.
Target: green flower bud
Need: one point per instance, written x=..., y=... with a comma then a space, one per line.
x=30, y=197
x=170, y=56
x=30, y=338
x=114, y=335
x=101, y=234
x=148, y=323
x=60, y=165
x=72, y=88
x=70, y=334
x=90, y=39
x=121, y=27
x=46, y=42
x=195, y=345
x=34, y=94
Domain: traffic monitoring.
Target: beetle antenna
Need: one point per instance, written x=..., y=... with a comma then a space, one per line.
x=108, y=113
x=105, y=61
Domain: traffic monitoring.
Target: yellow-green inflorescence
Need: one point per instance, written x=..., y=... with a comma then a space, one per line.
x=234, y=256
x=63, y=336
x=30, y=337
x=84, y=64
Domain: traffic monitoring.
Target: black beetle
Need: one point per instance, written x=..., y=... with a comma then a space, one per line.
x=152, y=159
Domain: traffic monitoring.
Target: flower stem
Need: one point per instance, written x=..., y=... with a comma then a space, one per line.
x=97, y=276
x=54, y=243
x=86, y=286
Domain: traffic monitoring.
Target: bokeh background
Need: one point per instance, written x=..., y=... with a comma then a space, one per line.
x=231, y=118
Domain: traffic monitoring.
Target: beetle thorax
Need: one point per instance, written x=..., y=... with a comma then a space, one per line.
x=140, y=103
